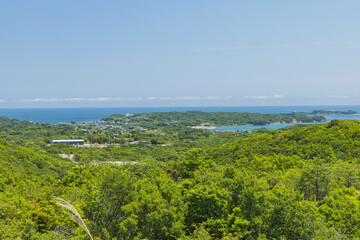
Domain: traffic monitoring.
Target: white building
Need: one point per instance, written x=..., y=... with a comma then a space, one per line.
x=69, y=141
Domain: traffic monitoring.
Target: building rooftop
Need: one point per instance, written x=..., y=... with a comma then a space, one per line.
x=69, y=140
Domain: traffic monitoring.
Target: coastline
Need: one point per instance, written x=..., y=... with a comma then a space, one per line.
x=56, y=115
x=252, y=125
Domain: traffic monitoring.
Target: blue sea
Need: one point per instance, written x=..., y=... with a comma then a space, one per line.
x=57, y=115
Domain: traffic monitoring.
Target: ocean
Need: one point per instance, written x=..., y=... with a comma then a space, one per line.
x=57, y=115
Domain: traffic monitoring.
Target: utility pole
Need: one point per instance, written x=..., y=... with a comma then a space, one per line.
x=90, y=132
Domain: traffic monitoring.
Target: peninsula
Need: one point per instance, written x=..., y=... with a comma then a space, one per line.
x=326, y=112
x=199, y=118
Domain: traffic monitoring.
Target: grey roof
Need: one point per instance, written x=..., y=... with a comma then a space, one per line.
x=69, y=140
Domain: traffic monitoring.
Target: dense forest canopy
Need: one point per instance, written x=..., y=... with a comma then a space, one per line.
x=194, y=118
x=298, y=183
x=326, y=112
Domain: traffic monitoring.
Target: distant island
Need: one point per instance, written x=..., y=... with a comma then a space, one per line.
x=326, y=112
x=207, y=119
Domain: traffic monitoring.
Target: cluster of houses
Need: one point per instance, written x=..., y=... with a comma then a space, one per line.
x=75, y=142
x=80, y=142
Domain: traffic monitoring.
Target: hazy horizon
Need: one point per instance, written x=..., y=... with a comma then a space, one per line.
x=315, y=107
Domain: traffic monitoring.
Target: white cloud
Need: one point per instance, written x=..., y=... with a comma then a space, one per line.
x=158, y=98
x=100, y=99
x=40, y=100
x=188, y=98
x=284, y=45
x=329, y=96
x=111, y=99
x=72, y=99
x=217, y=97
x=265, y=97
x=172, y=98
x=128, y=99
x=2, y=100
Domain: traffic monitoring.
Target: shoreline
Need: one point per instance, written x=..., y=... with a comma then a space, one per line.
x=252, y=125
x=65, y=114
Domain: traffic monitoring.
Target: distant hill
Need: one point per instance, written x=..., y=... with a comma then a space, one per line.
x=26, y=161
x=194, y=118
x=326, y=112
x=338, y=139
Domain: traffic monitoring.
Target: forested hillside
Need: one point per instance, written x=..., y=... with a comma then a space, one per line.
x=27, y=186
x=194, y=118
x=300, y=183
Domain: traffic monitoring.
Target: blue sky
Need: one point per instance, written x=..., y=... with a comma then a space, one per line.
x=179, y=53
